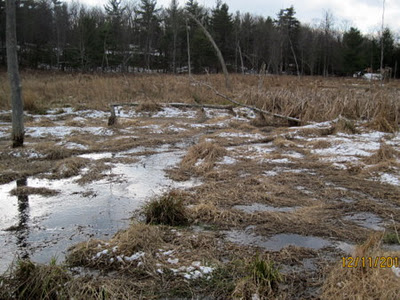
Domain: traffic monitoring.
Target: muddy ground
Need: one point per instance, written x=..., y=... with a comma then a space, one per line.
x=302, y=196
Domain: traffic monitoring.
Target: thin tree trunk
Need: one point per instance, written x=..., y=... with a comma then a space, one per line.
x=295, y=57
x=382, y=44
x=188, y=48
x=241, y=58
x=17, y=105
x=219, y=54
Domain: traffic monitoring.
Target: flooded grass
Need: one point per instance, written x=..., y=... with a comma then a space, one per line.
x=273, y=208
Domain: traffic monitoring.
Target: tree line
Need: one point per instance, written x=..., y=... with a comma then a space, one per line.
x=130, y=36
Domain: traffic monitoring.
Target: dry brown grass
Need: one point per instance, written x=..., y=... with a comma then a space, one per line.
x=363, y=282
x=148, y=107
x=308, y=98
x=137, y=237
x=202, y=157
x=344, y=125
x=385, y=153
x=69, y=167
x=96, y=171
x=28, y=190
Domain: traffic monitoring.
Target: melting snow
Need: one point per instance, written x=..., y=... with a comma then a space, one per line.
x=227, y=160
x=241, y=135
x=63, y=131
x=135, y=256
x=390, y=179
x=173, y=261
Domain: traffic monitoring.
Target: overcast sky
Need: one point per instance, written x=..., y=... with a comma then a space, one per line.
x=363, y=14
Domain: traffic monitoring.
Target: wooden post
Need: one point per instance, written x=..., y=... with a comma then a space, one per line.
x=17, y=104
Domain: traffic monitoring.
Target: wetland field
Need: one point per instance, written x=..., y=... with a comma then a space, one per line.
x=191, y=202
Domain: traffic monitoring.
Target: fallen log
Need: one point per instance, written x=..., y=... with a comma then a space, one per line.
x=113, y=117
x=291, y=119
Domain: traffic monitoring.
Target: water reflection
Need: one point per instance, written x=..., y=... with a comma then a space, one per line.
x=22, y=229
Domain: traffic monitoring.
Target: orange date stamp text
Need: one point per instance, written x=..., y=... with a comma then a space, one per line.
x=370, y=262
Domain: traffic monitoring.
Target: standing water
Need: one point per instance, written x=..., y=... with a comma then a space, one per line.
x=40, y=228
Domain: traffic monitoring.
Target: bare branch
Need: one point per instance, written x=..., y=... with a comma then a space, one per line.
x=245, y=105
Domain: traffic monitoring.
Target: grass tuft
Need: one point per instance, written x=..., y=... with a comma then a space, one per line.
x=33, y=281
x=345, y=125
x=262, y=282
x=264, y=273
x=168, y=209
x=391, y=238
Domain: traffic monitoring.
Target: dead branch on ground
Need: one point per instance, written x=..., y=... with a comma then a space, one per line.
x=297, y=121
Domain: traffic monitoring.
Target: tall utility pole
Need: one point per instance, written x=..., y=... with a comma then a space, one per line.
x=383, y=22
x=17, y=105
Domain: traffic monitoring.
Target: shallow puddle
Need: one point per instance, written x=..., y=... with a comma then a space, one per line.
x=256, y=207
x=366, y=220
x=41, y=227
x=276, y=242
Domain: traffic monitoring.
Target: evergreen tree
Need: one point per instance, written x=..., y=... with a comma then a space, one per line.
x=288, y=26
x=221, y=28
x=174, y=25
x=149, y=25
x=354, y=56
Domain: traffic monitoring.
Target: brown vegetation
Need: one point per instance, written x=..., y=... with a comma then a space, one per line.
x=306, y=98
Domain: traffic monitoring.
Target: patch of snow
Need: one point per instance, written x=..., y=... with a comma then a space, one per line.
x=339, y=166
x=216, y=113
x=270, y=173
x=29, y=153
x=155, y=128
x=176, y=129
x=241, y=135
x=199, y=162
x=55, y=111
x=347, y=149
x=280, y=161
x=206, y=270
x=101, y=253
x=97, y=156
x=294, y=154
x=316, y=125
x=396, y=271
x=94, y=114
x=4, y=132
x=172, y=112
x=227, y=160
x=135, y=256
x=169, y=252
x=73, y=146
x=173, y=261
x=196, y=264
x=390, y=179
x=63, y=131
x=247, y=112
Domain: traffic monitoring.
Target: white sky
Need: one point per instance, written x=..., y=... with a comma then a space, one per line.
x=366, y=15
